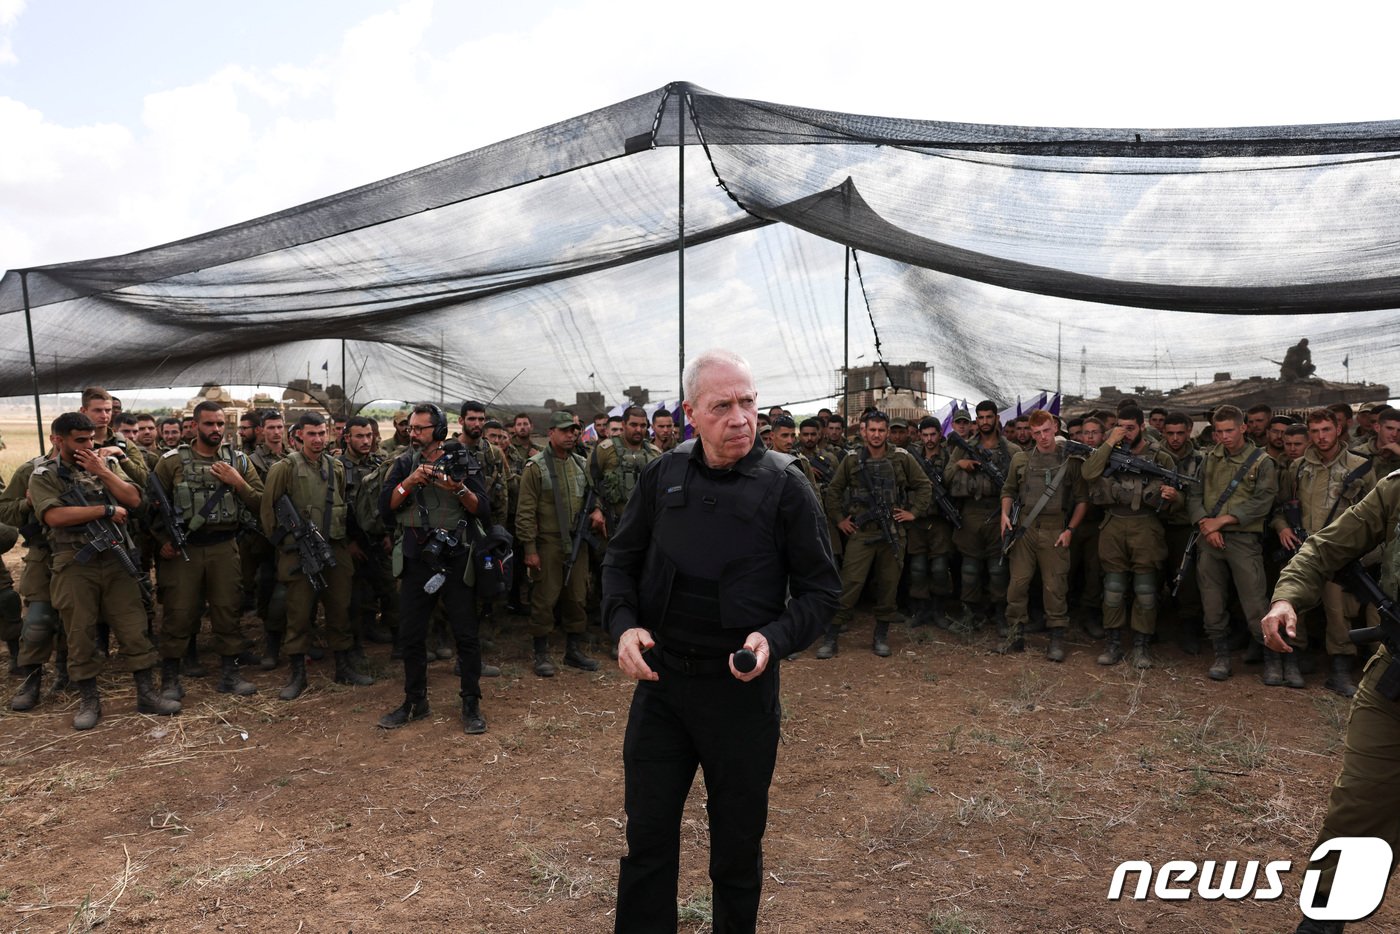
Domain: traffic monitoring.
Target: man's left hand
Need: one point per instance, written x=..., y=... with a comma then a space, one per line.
x=758, y=645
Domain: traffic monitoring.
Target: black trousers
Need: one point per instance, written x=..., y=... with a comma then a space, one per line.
x=416, y=609
x=730, y=729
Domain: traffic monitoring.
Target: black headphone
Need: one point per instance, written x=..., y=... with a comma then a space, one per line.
x=439, y=422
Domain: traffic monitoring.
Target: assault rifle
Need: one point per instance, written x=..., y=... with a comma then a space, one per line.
x=1188, y=557
x=1013, y=534
x=1121, y=461
x=985, y=463
x=170, y=515
x=1363, y=586
x=581, y=532
x=313, y=551
x=103, y=535
x=941, y=499
x=881, y=509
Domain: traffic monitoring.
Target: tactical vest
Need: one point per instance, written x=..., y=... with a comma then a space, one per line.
x=874, y=474
x=620, y=479
x=575, y=491
x=1122, y=488
x=429, y=507
x=263, y=459
x=724, y=538
x=317, y=490
x=1036, y=474
x=977, y=485
x=195, y=486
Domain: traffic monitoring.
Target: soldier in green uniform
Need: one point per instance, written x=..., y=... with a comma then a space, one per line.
x=931, y=536
x=399, y=442
x=1362, y=802
x=88, y=585
x=11, y=606
x=1229, y=508
x=553, y=488
x=1047, y=482
x=1295, y=442
x=824, y=462
x=1326, y=480
x=1085, y=567
x=1186, y=460
x=97, y=407
x=315, y=482
x=834, y=436
x=522, y=442
x=873, y=479
x=979, y=500
x=41, y=631
x=663, y=430
x=374, y=603
x=1132, y=541
x=1383, y=448
x=784, y=441
x=255, y=552
x=522, y=447
x=616, y=463
x=216, y=498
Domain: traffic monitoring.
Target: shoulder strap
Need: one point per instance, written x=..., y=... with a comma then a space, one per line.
x=1347, y=481
x=1049, y=493
x=1235, y=482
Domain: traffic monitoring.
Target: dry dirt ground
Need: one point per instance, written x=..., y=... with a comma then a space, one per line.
x=944, y=789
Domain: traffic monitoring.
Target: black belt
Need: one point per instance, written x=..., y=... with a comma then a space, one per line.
x=687, y=665
x=201, y=539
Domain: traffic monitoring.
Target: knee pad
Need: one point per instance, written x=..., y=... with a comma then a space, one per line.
x=999, y=574
x=40, y=623
x=918, y=566
x=938, y=567
x=11, y=607
x=971, y=569
x=1145, y=590
x=1115, y=587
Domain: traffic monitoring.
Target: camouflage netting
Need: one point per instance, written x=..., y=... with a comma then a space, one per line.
x=994, y=253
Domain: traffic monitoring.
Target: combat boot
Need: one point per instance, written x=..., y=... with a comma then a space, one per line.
x=1254, y=653
x=936, y=614
x=27, y=697
x=296, y=682
x=170, y=686
x=544, y=668
x=15, y=666
x=345, y=672
x=472, y=720
x=828, y=648
x=1092, y=621
x=1338, y=682
x=191, y=666
x=1002, y=626
x=230, y=681
x=60, y=674
x=1292, y=676
x=1113, y=648
x=1142, y=650
x=271, y=651
x=147, y=699
x=1035, y=620
x=880, y=644
x=403, y=714
x=89, y=705
x=1055, y=651
x=1220, y=671
x=1273, y=668
x=575, y=656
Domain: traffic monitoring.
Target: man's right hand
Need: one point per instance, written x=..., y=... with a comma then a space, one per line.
x=1280, y=621
x=629, y=653
x=533, y=561
x=1288, y=540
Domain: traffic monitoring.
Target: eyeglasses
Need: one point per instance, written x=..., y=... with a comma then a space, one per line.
x=413, y=428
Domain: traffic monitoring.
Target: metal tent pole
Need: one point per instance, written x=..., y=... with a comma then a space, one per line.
x=344, y=383
x=33, y=363
x=680, y=252
x=846, y=358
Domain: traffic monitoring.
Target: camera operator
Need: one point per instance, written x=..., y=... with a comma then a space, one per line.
x=433, y=509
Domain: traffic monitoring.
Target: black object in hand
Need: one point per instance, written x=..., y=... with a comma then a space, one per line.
x=745, y=661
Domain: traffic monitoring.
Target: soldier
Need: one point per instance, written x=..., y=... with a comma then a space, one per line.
x=553, y=488
x=522, y=443
x=876, y=492
x=396, y=445
x=41, y=631
x=315, y=483
x=216, y=498
x=147, y=437
x=427, y=505
x=663, y=430
x=1362, y=802
x=248, y=424
x=1085, y=567
x=97, y=406
x=835, y=438
x=784, y=441
x=617, y=463
x=1366, y=420
x=1344, y=423
x=1326, y=480
x=1256, y=425
x=899, y=433
x=823, y=461
x=521, y=449
x=931, y=535
x=1046, y=481
x=765, y=430
x=1295, y=442
x=168, y=428
x=1157, y=419
x=1383, y=449
x=1133, y=541
x=1186, y=460
x=337, y=445
x=100, y=585
x=374, y=602
x=614, y=426
x=495, y=472
x=978, y=496
x=1229, y=508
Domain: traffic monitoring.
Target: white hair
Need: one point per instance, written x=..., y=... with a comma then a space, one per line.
x=690, y=377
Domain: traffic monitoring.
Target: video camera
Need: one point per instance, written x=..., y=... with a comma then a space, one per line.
x=456, y=463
